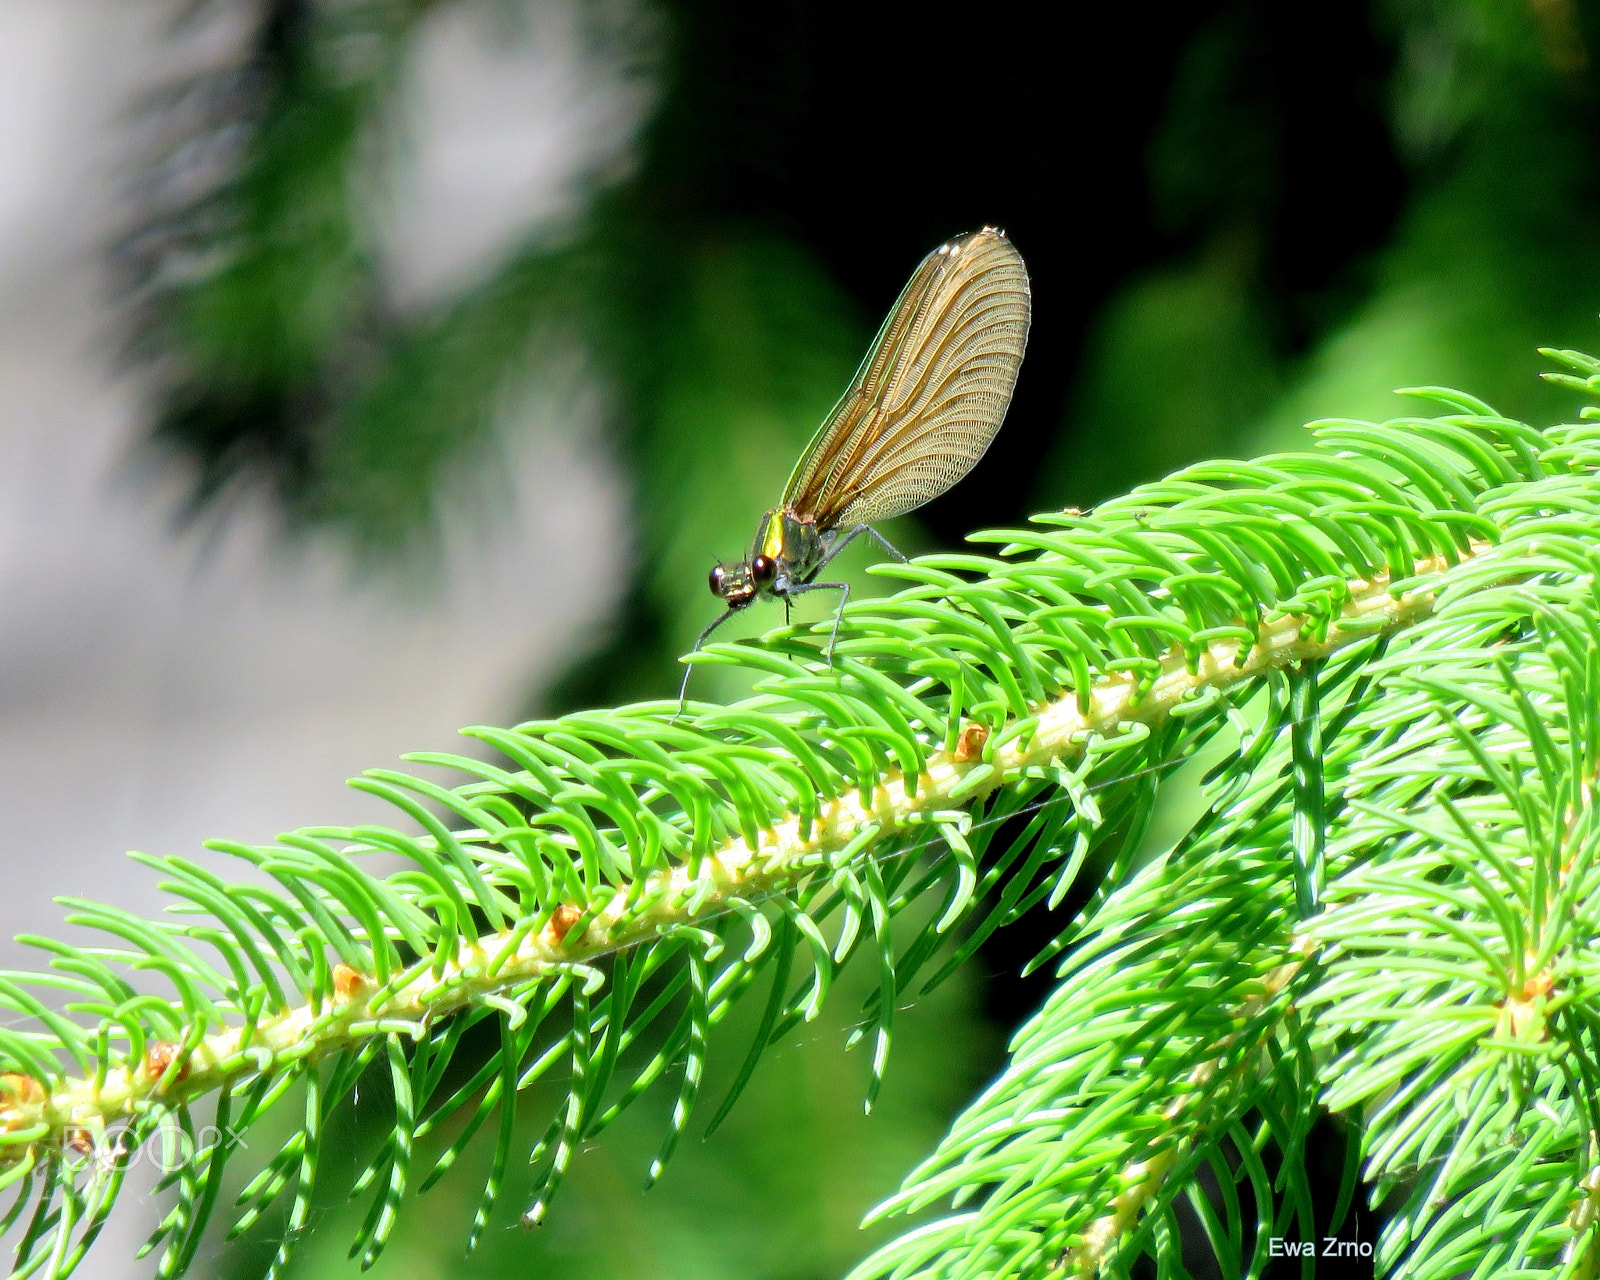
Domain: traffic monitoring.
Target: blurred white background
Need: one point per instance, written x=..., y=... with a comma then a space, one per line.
x=157, y=688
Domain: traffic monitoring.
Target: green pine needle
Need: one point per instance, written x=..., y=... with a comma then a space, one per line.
x=1386, y=643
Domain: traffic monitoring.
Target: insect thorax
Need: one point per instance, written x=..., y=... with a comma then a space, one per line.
x=793, y=543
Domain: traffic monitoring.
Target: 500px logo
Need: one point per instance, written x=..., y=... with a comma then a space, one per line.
x=1329, y=1247
x=167, y=1151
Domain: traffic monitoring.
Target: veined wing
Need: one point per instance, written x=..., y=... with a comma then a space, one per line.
x=931, y=393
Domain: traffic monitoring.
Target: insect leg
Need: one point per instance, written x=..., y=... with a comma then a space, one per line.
x=843, y=588
x=850, y=537
x=881, y=541
x=683, y=689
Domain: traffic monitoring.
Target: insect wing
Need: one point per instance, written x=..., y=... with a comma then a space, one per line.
x=931, y=393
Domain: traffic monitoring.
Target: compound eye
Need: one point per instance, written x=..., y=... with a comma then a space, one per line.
x=763, y=569
x=717, y=576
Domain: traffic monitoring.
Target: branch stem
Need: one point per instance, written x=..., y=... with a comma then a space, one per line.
x=503, y=962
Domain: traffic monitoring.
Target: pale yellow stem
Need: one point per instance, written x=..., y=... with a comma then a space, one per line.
x=783, y=857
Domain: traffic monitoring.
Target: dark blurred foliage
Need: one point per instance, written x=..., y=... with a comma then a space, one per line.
x=1238, y=214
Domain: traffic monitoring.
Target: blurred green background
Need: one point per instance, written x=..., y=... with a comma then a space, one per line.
x=1238, y=216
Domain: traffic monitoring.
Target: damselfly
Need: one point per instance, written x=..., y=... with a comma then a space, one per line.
x=918, y=415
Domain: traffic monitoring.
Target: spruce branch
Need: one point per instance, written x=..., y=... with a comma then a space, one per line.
x=1441, y=1001
x=498, y=965
x=609, y=887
